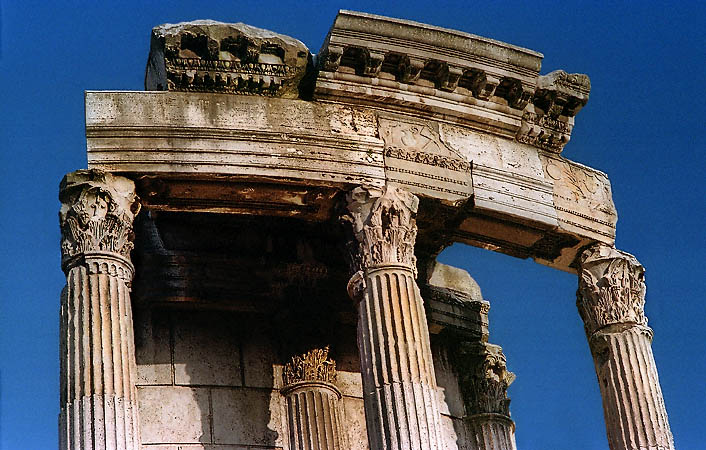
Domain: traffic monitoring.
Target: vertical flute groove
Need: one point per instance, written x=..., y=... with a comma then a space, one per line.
x=611, y=299
x=403, y=389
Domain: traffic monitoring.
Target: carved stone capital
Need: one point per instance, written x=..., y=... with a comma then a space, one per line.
x=384, y=227
x=484, y=379
x=314, y=365
x=611, y=288
x=96, y=217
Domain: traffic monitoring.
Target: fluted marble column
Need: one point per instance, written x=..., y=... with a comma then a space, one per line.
x=399, y=385
x=313, y=402
x=611, y=300
x=97, y=352
x=484, y=380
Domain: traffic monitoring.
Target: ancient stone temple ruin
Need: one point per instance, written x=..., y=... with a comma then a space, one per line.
x=250, y=254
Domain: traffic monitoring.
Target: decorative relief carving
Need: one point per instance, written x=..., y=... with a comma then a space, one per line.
x=548, y=122
x=544, y=132
x=314, y=365
x=429, y=159
x=207, y=56
x=417, y=159
x=484, y=379
x=611, y=288
x=582, y=198
x=384, y=226
x=96, y=214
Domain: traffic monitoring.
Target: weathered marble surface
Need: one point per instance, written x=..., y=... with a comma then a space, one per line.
x=203, y=152
x=210, y=56
x=611, y=302
x=97, y=351
x=491, y=86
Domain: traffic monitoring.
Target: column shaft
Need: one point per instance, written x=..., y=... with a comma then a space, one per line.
x=490, y=432
x=611, y=300
x=635, y=415
x=313, y=402
x=398, y=374
x=399, y=384
x=99, y=407
x=97, y=349
x=314, y=419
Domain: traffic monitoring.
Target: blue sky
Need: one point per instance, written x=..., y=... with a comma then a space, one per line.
x=644, y=126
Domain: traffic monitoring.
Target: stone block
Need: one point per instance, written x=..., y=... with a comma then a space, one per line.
x=259, y=358
x=171, y=414
x=350, y=383
x=152, y=347
x=450, y=398
x=354, y=424
x=248, y=417
x=206, y=349
x=452, y=433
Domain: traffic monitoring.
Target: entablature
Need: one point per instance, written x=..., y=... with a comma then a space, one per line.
x=239, y=120
x=253, y=155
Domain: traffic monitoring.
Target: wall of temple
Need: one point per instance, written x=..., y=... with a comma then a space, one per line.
x=212, y=380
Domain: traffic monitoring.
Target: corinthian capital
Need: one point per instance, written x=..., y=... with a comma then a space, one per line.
x=485, y=379
x=97, y=211
x=314, y=365
x=383, y=225
x=611, y=288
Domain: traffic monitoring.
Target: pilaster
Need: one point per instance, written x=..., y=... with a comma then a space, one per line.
x=484, y=380
x=97, y=351
x=399, y=385
x=313, y=402
x=611, y=301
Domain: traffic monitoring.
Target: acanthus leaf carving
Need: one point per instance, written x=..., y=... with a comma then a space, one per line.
x=97, y=214
x=314, y=365
x=484, y=379
x=384, y=226
x=611, y=288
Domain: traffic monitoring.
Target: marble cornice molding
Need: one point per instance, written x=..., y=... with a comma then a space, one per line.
x=96, y=220
x=383, y=227
x=611, y=289
x=487, y=84
x=210, y=56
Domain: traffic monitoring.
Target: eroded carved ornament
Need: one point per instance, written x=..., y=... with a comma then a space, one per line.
x=314, y=365
x=97, y=213
x=383, y=225
x=611, y=288
x=485, y=379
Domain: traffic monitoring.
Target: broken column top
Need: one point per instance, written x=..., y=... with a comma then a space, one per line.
x=210, y=56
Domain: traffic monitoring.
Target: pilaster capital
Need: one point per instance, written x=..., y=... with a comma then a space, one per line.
x=314, y=366
x=96, y=217
x=485, y=379
x=611, y=288
x=384, y=227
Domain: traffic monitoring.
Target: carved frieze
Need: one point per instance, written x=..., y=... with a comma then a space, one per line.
x=96, y=214
x=208, y=56
x=484, y=379
x=582, y=198
x=383, y=225
x=611, y=288
x=417, y=160
x=314, y=365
